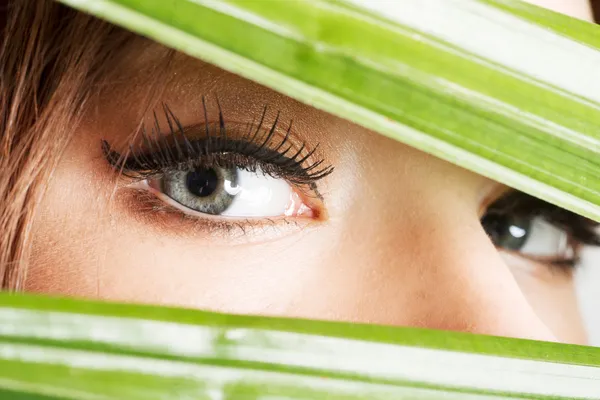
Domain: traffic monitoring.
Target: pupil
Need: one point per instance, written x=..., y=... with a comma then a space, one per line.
x=507, y=231
x=202, y=182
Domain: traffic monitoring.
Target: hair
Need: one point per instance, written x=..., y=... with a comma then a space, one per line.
x=52, y=61
x=596, y=9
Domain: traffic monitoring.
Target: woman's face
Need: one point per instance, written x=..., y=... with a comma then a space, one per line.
x=391, y=236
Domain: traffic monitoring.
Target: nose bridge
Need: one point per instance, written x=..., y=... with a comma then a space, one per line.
x=464, y=285
x=439, y=270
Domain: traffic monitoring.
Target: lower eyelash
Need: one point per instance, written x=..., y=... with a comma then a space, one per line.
x=566, y=264
x=151, y=210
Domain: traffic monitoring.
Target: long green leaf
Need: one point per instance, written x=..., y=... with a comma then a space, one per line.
x=501, y=88
x=505, y=89
x=72, y=349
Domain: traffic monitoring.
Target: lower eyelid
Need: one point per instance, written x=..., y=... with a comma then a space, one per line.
x=298, y=209
x=570, y=256
x=535, y=268
x=147, y=209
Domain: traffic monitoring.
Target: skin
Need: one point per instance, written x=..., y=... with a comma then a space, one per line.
x=427, y=261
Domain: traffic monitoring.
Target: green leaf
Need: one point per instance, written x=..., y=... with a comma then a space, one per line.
x=504, y=89
x=72, y=349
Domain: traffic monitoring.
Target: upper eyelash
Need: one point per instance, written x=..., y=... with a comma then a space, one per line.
x=222, y=146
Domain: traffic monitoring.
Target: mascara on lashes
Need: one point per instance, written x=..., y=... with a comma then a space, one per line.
x=221, y=146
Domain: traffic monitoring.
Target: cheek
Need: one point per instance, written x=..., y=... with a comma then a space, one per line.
x=137, y=266
x=179, y=273
x=552, y=295
x=71, y=226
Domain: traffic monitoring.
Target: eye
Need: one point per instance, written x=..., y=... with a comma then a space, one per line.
x=540, y=231
x=231, y=170
x=531, y=237
x=231, y=192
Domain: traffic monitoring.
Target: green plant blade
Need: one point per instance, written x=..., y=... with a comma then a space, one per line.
x=501, y=88
x=73, y=349
x=504, y=89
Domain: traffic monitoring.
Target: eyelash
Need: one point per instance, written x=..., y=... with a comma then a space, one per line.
x=222, y=146
x=580, y=230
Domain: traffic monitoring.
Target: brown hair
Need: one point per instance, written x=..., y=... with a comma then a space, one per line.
x=596, y=9
x=51, y=58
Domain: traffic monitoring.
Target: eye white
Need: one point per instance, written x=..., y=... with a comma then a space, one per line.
x=257, y=195
x=545, y=240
